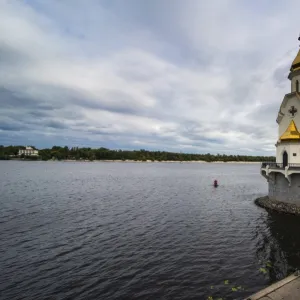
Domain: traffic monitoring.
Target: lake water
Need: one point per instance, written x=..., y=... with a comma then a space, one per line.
x=139, y=231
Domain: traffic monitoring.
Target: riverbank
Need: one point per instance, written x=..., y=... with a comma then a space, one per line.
x=140, y=161
x=282, y=207
x=167, y=161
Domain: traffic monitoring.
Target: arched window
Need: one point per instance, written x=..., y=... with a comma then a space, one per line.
x=285, y=159
x=297, y=86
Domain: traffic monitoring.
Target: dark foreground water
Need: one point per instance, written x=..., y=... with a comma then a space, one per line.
x=138, y=231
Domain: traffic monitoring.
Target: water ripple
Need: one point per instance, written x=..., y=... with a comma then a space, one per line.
x=138, y=231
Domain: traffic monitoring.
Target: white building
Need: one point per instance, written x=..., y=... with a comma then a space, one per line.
x=284, y=175
x=29, y=151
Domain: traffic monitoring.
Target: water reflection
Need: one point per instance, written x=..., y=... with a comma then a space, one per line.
x=280, y=245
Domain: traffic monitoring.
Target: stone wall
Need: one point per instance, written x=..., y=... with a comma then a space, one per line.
x=280, y=190
x=278, y=206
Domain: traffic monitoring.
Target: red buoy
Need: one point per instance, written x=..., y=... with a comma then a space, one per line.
x=215, y=183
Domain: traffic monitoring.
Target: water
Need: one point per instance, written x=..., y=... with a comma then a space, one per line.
x=138, y=231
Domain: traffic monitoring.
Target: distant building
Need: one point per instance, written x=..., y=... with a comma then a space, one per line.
x=29, y=151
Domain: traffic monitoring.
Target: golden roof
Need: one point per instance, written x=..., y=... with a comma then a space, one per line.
x=291, y=133
x=296, y=63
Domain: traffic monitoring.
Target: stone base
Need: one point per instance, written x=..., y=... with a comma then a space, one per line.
x=278, y=206
x=281, y=189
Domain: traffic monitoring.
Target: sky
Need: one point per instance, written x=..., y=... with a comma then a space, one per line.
x=174, y=75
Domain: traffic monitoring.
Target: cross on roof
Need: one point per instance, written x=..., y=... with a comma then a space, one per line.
x=293, y=110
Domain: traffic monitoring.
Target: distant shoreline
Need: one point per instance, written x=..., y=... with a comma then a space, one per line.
x=117, y=155
x=141, y=161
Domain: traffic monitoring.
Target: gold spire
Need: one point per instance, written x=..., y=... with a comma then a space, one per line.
x=296, y=63
x=291, y=133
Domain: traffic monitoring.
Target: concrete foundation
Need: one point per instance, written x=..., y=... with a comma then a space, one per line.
x=286, y=289
x=281, y=190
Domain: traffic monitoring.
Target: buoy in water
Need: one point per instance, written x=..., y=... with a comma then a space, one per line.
x=215, y=183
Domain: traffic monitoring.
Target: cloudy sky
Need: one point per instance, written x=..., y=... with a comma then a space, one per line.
x=178, y=75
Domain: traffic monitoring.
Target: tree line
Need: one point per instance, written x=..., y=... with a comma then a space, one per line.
x=91, y=154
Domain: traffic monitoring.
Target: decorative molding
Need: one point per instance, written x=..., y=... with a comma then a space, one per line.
x=292, y=111
x=293, y=74
x=284, y=102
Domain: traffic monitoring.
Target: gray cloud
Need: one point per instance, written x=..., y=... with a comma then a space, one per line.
x=5, y=126
x=204, y=78
x=55, y=124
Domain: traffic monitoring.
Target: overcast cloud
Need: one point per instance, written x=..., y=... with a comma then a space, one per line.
x=177, y=75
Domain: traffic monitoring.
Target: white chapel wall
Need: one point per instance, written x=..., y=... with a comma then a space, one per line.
x=291, y=149
x=287, y=118
x=293, y=83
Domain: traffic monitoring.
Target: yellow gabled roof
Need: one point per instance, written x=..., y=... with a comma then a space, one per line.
x=291, y=132
x=296, y=63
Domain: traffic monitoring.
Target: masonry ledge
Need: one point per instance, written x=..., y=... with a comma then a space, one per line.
x=293, y=170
